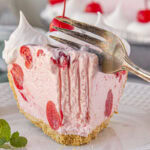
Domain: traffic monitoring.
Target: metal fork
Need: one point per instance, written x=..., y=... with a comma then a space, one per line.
x=115, y=57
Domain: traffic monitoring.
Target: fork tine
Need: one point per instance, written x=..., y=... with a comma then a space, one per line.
x=98, y=31
x=84, y=37
x=66, y=42
x=78, y=47
x=52, y=46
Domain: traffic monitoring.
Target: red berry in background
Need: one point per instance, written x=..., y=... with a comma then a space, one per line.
x=93, y=7
x=143, y=16
x=18, y=76
x=59, y=24
x=25, y=52
x=53, y=116
x=53, y=2
x=109, y=104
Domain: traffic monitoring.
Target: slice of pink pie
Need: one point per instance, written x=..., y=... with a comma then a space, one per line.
x=61, y=90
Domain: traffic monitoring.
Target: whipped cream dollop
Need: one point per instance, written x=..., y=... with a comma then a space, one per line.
x=90, y=18
x=116, y=19
x=24, y=34
x=139, y=28
x=52, y=11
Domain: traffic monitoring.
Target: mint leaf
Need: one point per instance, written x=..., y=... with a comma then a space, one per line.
x=18, y=141
x=2, y=141
x=15, y=135
x=5, y=131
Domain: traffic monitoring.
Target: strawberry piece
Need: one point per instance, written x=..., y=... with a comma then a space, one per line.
x=53, y=116
x=18, y=76
x=53, y=2
x=40, y=52
x=109, y=104
x=93, y=7
x=63, y=61
x=23, y=96
x=25, y=52
x=59, y=24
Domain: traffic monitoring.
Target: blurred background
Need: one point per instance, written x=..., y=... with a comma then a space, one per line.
x=9, y=17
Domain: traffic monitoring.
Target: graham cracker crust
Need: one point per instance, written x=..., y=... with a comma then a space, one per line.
x=74, y=140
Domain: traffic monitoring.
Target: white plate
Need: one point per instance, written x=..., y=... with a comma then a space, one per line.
x=128, y=130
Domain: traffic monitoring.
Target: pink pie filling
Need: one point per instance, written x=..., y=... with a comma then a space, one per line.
x=65, y=88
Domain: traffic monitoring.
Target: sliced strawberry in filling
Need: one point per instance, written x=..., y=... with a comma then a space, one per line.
x=53, y=117
x=63, y=61
x=40, y=52
x=109, y=104
x=25, y=52
x=18, y=76
x=23, y=96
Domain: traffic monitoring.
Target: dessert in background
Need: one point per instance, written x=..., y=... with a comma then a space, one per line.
x=60, y=89
x=86, y=11
x=142, y=24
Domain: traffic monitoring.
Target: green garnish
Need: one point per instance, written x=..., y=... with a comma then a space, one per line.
x=14, y=139
x=18, y=141
x=2, y=141
x=5, y=131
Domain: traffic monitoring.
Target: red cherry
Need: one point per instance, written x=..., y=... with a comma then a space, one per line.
x=18, y=76
x=23, y=96
x=109, y=104
x=143, y=16
x=93, y=7
x=53, y=116
x=25, y=52
x=59, y=24
x=40, y=52
x=53, y=2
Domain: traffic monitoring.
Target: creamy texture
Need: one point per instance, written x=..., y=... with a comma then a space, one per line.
x=24, y=34
x=139, y=28
x=116, y=19
x=79, y=91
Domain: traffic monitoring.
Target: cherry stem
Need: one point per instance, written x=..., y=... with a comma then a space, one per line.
x=64, y=8
x=146, y=4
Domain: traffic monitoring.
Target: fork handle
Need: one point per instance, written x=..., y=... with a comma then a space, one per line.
x=131, y=67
